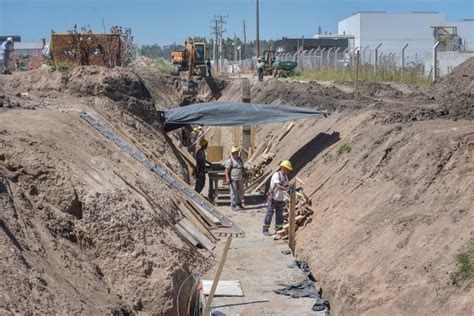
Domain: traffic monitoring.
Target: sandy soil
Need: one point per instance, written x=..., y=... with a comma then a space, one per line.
x=79, y=233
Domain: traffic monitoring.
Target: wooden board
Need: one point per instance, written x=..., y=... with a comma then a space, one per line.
x=215, y=153
x=186, y=235
x=193, y=231
x=224, y=288
x=196, y=219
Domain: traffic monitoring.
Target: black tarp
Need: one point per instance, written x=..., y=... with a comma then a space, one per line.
x=233, y=114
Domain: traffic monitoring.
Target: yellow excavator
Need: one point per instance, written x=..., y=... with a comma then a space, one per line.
x=193, y=60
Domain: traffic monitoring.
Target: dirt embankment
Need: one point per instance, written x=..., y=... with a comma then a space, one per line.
x=394, y=207
x=85, y=229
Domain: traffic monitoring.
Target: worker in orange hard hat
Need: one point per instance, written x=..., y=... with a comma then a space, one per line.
x=201, y=165
x=278, y=185
x=234, y=175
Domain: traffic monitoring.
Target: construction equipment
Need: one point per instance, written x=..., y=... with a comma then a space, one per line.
x=284, y=68
x=268, y=59
x=191, y=59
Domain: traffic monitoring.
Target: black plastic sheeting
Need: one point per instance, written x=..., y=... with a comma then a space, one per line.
x=233, y=114
x=305, y=289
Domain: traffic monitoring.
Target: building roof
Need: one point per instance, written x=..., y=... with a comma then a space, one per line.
x=28, y=45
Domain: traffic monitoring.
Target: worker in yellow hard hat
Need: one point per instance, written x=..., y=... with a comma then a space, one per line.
x=278, y=185
x=234, y=175
x=201, y=165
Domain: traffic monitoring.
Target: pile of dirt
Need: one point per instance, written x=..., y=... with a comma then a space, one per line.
x=373, y=89
x=455, y=91
x=42, y=81
x=118, y=84
x=310, y=95
x=85, y=229
x=458, y=85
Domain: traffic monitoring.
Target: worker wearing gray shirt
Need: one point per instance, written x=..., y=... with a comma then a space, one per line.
x=234, y=175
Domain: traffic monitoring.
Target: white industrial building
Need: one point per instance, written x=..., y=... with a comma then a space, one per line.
x=394, y=30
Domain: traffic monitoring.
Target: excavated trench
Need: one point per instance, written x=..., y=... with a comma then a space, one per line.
x=87, y=230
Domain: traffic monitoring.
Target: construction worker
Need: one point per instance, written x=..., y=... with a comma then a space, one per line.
x=234, y=175
x=278, y=185
x=194, y=137
x=208, y=67
x=260, y=66
x=7, y=52
x=201, y=165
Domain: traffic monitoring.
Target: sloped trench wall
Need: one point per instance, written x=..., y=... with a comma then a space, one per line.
x=86, y=228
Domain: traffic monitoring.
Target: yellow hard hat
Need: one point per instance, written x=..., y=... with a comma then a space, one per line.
x=203, y=142
x=286, y=164
x=234, y=149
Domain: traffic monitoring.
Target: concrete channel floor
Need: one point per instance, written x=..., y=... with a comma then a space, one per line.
x=258, y=263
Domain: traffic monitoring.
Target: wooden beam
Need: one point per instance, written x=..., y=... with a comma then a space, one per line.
x=217, y=276
x=186, y=235
x=193, y=231
x=292, y=222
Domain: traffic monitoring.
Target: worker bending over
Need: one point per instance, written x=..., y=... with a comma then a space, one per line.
x=201, y=165
x=234, y=175
x=278, y=185
x=7, y=50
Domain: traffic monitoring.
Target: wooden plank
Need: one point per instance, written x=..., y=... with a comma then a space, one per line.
x=292, y=222
x=183, y=151
x=186, y=235
x=286, y=131
x=217, y=276
x=224, y=288
x=204, y=213
x=198, y=222
x=193, y=231
x=206, y=221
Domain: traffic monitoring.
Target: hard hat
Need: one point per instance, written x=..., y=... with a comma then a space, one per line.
x=234, y=149
x=197, y=129
x=286, y=164
x=9, y=39
x=203, y=142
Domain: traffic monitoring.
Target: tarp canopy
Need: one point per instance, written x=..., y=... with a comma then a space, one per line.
x=233, y=114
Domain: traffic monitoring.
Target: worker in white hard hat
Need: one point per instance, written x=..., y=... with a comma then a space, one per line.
x=7, y=50
x=234, y=175
x=278, y=185
x=201, y=165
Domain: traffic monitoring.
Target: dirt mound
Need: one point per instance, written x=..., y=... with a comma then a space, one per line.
x=457, y=84
x=118, y=84
x=456, y=90
x=42, y=81
x=310, y=95
x=373, y=89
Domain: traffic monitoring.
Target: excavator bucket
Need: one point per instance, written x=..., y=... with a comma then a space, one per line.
x=189, y=87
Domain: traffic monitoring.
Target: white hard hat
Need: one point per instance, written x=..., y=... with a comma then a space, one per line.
x=9, y=39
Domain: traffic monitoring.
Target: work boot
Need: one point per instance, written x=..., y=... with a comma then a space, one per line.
x=265, y=231
x=241, y=206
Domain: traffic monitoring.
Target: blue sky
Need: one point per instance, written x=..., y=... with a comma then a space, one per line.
x=165, y=22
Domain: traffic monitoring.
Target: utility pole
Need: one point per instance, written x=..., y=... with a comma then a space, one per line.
x=257, y=43
x=221, y=22
x=214, y=33
x=244, y=55
x=235, y=47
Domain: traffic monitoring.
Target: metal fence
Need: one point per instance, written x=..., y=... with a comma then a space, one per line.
x=344, y=59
